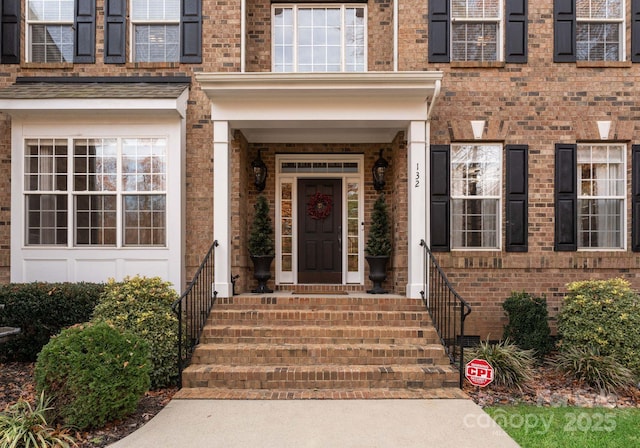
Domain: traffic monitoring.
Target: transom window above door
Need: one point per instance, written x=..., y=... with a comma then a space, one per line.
x=309, y=38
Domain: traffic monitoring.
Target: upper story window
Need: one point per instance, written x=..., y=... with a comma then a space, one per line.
x=599, y=30
x=96, y=192
x=156, y=30
x=476, y=188
x=476, y=30
x=601, y=196
x=50, y=30
x=309, y=38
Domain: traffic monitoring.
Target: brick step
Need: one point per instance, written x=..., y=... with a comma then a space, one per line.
x=319, y=317
x=346, y=303
x=214, y=393
x=315, y=354
x=302, y=334
x=319, y=377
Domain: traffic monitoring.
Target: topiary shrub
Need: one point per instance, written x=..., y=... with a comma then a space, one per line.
x=528, y=325
x=143, y=306
x=512, y=366
x=41, y=310
x=604, y=314
x=93, y=374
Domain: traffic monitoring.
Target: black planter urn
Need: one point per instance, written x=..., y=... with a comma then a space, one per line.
x=262, y=272
x=377, y=273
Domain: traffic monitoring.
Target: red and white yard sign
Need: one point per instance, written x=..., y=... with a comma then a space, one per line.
x=479, y=372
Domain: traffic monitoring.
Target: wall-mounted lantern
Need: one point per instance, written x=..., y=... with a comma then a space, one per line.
x=379, y=169
x=259, y=172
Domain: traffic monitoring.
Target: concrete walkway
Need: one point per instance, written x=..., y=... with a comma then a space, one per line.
x=442, y=423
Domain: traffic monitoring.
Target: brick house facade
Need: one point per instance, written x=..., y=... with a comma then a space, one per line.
x=536, y=104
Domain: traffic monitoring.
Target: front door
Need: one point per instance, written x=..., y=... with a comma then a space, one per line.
x=320, y=230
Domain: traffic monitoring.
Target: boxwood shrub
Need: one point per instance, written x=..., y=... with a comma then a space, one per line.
x=41, y=310
x=143, y=306
x=528, y=325
x=93, y=374
x=605, y=315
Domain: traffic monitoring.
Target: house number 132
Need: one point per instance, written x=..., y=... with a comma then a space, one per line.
x=417, y=175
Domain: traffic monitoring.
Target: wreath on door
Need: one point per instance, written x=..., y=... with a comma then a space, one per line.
x=319, y=206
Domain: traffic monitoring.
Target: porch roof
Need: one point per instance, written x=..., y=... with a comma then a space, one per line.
x=58, y=96
x=321, y=107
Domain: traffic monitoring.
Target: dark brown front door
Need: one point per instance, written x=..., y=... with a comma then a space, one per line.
x=320, y=234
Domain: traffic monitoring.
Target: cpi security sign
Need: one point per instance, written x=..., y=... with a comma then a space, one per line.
x=479, y=372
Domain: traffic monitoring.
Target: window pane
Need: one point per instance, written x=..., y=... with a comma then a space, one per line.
x=51, y=43
x=474, y=41
x=96, y=220
x=601, y=195
x=46, y=219
x=144, y=164
x=95, y=165
x=327, y=39
x=45, y=165
x=51, y=10
x=476, y=182
x=144, y=220
x=150, y=10
x=157, y=43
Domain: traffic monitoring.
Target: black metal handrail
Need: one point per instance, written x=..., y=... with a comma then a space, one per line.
x=193, y=308
x=447, y=309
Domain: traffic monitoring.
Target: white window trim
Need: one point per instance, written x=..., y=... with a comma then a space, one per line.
x=29, y=37
x=499, y=197
x=292, y=277
x=623, y=216
x=500, y=35
x=342, y=7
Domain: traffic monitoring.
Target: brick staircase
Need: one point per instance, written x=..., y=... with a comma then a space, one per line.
x=287, y=346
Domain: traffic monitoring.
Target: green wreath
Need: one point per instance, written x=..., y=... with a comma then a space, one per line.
x=319, y=206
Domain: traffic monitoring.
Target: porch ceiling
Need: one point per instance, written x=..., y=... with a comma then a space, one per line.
x=320, y=107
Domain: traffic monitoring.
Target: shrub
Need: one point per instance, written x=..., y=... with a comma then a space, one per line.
x=604, y=314
x=596, y=369
x=512, y=365
x=143, y=306
x=41, y=310
x=528, y=325
x=93, y=373
x=24, y=426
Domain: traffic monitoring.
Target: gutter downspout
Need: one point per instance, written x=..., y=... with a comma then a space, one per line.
x=243, y=43
x=436, y=93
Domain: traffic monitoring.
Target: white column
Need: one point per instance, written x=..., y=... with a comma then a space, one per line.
x=418, y=190
x=221, y=207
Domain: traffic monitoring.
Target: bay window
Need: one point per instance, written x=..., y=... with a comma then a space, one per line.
x=101, y=192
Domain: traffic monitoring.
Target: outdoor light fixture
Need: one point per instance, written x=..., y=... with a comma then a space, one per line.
x=259, y=172
x=379, y=169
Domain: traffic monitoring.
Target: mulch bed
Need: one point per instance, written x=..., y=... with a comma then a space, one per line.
x=16, y=381
x=549, y=388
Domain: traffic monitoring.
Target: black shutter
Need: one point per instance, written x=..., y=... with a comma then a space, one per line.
x=439, y=31
x=564, y=31
x=635, y=31
x=516, y=31
x=84, y=46
x=517, y=207
x=635, y=198
x=10, y=32
x=115, y=31
x=439, y=207
x=191, y=32
x=566, y=198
